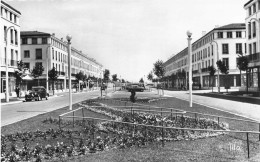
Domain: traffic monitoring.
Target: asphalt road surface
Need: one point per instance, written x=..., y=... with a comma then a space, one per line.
x=16, y=112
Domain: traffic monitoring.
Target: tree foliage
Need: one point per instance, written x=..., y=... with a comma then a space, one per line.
x=159, y=69
x=150, y=76
x=114, y=77
x=37, y=71
x=141, y=80
x=222, y=67
x=123, y=81
x=18, y=74
x=79, y=76
x=53, y=76
x=211, y=70
x=242, y=63
x=106, y=75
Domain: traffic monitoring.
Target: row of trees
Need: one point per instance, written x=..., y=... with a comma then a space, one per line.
x=159, y=71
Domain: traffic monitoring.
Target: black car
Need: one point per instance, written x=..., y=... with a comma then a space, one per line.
x=37, y=93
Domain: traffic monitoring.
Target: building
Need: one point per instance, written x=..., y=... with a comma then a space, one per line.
x=252, y=21
x=49, y=51
x=221, y=43
x=9, y=46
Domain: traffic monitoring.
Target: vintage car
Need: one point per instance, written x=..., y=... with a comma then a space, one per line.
x=135, y=87
x=37, y=93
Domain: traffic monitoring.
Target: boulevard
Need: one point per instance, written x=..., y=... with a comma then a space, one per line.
x=19, y=111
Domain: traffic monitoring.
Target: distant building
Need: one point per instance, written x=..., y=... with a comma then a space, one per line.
x=252, y=8
x=10, y=22
x=47, y=50
x=221, y=43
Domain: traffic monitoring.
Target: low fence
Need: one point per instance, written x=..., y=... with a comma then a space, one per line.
x=152, y=126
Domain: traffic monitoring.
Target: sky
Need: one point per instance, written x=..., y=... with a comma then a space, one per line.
x=128, y=36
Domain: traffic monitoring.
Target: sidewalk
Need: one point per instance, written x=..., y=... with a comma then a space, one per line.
x=244, y=109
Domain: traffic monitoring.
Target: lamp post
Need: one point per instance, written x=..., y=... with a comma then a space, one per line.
x=69, y=37
x=6, y=66
x=47, y=68
x=190, y=65
x=217, y=60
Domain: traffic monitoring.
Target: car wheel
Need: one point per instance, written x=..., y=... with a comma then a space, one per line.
x=46, y=98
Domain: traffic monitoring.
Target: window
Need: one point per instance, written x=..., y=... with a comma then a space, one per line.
x=226, y=62
x=225, y=48
x=34, y=40
x=254, y=8
x=254, y=47
x=229, y=34
x=15, y=19
x=59, y=56
x=11, y=16
x=39, y=54
x=250, y=49
x=220, y=34
x=52, y=53
x=239, y=48
x=24, y=41
x=249, y=31
x=11, y=35
x=254, y=29
x=44, y=40
x=16, y=54
x=245, y=48
x=15, y=37
x=4, y=31
x=27, y=54
x=238, y=34
x=56, y=55
x=249, y=11
x=26, y=65
x=38, y=64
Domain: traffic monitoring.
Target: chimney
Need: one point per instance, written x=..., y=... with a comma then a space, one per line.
x=204, y=33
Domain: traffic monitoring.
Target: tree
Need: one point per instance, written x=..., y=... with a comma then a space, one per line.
x=159, y=70
x=53, y=76
x=150, y=76
x=114, y=77
x=106, y=75
x=141, y=80
x=242, y=64
x=212, y=71
x=123, y=81
x=37, y=71
x=224, y=70
x=79, y=76
x=18, y=74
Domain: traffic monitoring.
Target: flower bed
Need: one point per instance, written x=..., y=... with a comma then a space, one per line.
x=89, y=137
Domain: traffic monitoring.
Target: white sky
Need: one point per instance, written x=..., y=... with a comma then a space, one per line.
x=128, y=36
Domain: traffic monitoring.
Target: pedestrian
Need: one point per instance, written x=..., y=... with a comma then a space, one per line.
x=17, y=90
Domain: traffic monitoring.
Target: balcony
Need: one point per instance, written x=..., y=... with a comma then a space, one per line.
x=195, y=71
x=254, y=57
x=204, y=70
x=62, y=73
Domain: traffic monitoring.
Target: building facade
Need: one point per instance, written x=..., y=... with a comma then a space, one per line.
x=9, y=46
x=252, y=20
x=222, y=43
x=49, y=51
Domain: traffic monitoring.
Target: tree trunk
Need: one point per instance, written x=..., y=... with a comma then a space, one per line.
x=53, y=87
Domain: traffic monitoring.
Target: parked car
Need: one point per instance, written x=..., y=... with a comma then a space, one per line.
x=37, y=93
x=136, y=87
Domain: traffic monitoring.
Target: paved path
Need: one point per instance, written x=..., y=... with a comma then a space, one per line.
x=239, y=108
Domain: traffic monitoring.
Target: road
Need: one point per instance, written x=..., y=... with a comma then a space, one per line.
x=16, y=112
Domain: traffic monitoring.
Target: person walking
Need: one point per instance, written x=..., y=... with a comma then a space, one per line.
x=17, y=90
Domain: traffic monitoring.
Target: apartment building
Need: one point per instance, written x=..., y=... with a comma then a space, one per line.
x=252, y=21
x=49, y=51
x=221, y=43
x=9, y=46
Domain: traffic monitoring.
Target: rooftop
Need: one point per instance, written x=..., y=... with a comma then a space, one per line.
x=11, y=7
x=248, y=3
x=232, y=26
x=34, y=33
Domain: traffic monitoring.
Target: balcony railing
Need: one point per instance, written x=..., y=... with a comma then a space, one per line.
x=195, y=71
x=204, y=70
x=62, y=73
x=253, y=57
x=72, y=74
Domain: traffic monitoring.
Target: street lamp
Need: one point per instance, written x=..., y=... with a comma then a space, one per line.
x=190, y=65
x=69, y=37
x=6, y=66
x=217, y=60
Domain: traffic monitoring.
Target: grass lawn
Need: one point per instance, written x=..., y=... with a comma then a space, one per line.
x=218, y=148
